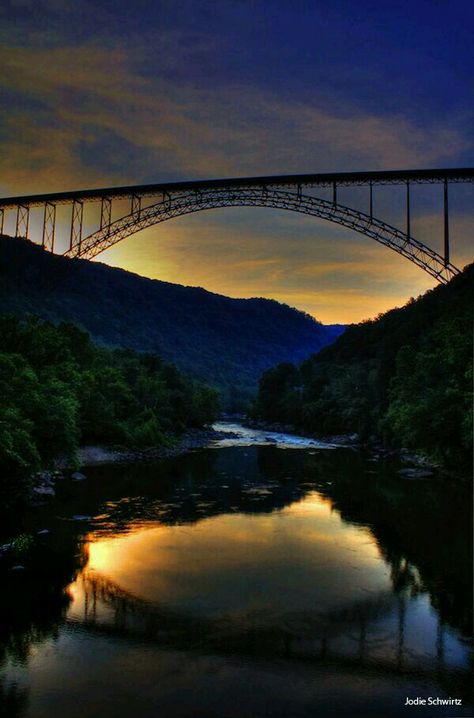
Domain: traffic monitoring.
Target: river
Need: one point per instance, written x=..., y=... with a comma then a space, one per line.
x=264, y=575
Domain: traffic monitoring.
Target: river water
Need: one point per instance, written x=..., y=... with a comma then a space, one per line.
x=266, y=575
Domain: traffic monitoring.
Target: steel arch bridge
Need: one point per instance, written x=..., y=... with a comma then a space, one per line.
x=288, y=192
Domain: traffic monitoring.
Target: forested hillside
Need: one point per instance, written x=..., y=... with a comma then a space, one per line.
x=59, y=390
x=228, y=342
x=405, y=376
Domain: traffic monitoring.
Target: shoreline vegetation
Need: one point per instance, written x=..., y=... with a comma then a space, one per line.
x=402, y=380
x=60, y=391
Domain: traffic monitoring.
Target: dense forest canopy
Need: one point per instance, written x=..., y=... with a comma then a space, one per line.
x=216, y=339
x=59, y=390
x=405, y=377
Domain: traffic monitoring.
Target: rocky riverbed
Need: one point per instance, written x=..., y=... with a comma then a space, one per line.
x=43, y=482
x=192, y=439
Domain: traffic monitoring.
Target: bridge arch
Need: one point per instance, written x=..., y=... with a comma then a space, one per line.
x=187, y=202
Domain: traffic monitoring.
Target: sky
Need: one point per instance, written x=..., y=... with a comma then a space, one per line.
x=111, y=93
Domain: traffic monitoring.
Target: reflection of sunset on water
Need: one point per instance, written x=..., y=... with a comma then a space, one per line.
x=295, y=557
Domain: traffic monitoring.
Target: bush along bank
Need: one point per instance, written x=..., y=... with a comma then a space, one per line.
x=60, y=391
x=403, y=379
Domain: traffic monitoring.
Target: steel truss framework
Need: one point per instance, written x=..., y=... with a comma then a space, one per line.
x=279, y=192
x=196, y=201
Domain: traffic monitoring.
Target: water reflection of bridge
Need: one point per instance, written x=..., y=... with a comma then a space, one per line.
x=352, y=638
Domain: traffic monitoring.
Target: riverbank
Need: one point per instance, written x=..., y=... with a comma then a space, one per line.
x=191, y=440
x=420, y=466
x=43, y=482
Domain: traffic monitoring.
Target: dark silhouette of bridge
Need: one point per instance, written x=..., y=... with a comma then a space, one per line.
x=349, y=637
x=154, y=203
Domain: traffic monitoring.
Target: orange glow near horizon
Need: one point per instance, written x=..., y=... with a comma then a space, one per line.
x=342, y=279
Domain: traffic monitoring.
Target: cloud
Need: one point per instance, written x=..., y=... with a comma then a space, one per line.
x=96, y=119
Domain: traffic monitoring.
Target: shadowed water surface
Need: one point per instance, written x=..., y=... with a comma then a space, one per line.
x=287, y=578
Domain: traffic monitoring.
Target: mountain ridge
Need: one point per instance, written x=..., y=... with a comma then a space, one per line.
x=223, y=340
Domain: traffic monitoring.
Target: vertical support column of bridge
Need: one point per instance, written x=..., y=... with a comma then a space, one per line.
x=76, y=224
x=371, y=201
x=2, y=219
x=408, y=211
x=22, y=221
x=49, y=226
x=106, y=213
x=136, y=205
x=85, y=589
x=334, y=194
x=446, y=224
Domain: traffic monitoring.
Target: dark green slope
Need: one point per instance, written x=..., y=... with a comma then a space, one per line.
x=228, y=342
x=405, y=376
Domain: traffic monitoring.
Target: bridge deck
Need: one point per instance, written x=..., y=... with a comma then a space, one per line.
x=342, y=179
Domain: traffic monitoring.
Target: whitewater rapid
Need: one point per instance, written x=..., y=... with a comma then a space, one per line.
x=245, y=436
